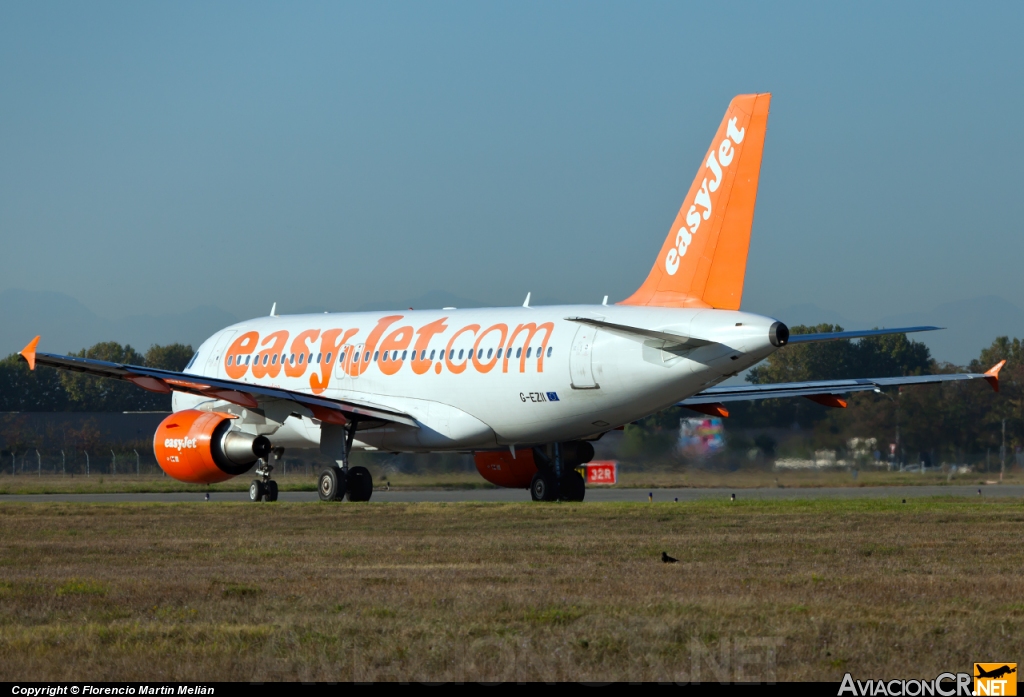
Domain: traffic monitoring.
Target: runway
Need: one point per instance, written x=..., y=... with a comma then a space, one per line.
x=594, y=494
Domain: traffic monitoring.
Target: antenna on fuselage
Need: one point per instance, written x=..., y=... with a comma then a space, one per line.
x=273, y=310
x=526, y=303
x=605, y=301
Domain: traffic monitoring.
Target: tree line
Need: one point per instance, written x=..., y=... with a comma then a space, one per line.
x=947, y=422
x=47, y=389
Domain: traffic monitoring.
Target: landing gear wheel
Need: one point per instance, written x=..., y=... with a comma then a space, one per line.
x=256, y=491
x=331, y=485
x=360, y=484
x=271, y=490
x=573, y=487
x=543, y=488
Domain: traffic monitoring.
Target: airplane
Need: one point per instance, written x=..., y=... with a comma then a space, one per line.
x=526, y=389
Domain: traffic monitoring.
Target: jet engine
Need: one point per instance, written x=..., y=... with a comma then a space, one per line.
x=200, y=447
x=498, y=467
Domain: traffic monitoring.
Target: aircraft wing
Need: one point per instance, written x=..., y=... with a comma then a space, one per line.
x=243, y=394
x=825, y=391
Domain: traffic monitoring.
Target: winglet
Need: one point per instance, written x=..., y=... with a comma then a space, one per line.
x=991, y=375
x=29, y=354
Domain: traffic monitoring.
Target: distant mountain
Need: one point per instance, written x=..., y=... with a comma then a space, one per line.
x=970, y=326
x=809, y=314
x=67, y=325
x=437, y=299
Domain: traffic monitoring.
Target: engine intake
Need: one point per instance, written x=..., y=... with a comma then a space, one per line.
x=200, y=447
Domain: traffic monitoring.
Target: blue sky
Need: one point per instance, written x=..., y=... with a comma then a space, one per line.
x=158, y=157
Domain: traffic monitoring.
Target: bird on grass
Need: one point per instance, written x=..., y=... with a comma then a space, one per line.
x=667, y=559
x=733, y=497
x=207, y=495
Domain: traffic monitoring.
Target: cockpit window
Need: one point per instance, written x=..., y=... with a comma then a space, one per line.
x=194, y=357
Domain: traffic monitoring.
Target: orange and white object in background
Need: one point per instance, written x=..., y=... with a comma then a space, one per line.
x=602, y=472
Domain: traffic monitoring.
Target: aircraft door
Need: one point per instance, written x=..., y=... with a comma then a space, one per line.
x=581, y=369
x=215, y=364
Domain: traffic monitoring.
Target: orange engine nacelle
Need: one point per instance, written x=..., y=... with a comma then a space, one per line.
x=200, y=447
x=498, y=467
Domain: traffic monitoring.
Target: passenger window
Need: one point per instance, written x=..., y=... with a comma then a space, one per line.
x=384, y=358
x=266, y=358
x=247, y=360
x=341, y=358
x=460, y=353
x=431, y=353
x=302, y=358
x=489, y=352
x=273, y=361
x=355, y=359
x=404, y=354
x=231, y=360
x=451, y=355
x=376, y=355
x=329, y=357
x=549, y=352
x=519, y=352
x=528, y=352
x=366, y=357
x=318, y=357
x=394, y=355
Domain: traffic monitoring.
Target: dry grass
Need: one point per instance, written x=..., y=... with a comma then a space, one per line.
x=517, y=591
x=742, y=479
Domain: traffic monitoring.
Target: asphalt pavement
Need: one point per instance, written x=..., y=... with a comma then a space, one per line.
x=593, y=494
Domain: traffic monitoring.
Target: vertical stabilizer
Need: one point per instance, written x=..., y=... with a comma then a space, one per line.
x=704, y=258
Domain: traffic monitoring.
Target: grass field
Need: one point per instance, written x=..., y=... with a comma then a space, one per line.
x=790, y=590
x=158, y=483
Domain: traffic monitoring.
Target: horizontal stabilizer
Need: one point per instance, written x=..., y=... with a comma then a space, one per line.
x=836, y=336
x=677, y=339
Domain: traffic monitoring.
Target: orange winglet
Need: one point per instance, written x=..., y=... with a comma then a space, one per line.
x=29, y=353
x=716, y=409
x=827, y=400
x=991, y=375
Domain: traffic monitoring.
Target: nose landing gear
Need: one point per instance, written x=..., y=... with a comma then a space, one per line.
x=264, y=487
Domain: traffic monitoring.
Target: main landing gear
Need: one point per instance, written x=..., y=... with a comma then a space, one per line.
x=557, y=478
x=264, y=487
x=344, y=482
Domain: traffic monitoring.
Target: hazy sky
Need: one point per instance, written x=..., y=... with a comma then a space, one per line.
x=159, y=156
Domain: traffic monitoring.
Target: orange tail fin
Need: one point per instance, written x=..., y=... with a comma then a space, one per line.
x=704, y=258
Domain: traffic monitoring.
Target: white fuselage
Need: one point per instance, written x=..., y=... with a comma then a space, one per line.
x=556, y=380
